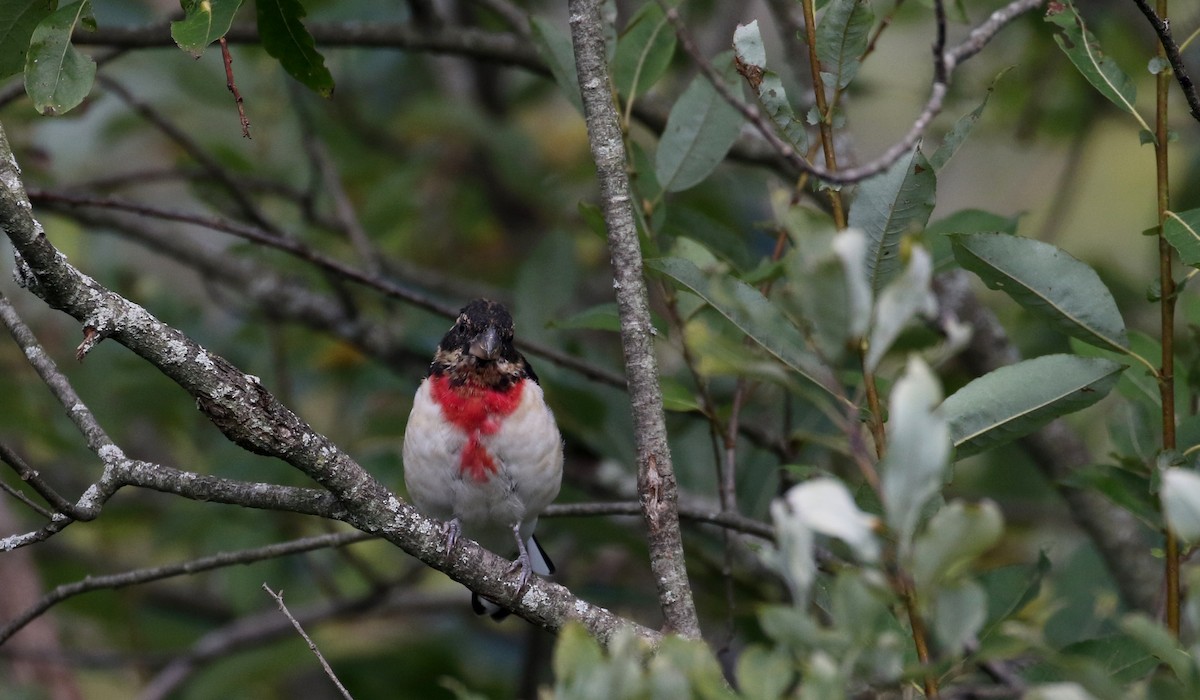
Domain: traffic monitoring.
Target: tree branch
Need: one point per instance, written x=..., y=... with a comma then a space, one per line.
x=477, y=44
x=191, y=566
x=249, y=415
x=1171, y=50
x=944, y=64
x=656, y=476
x=304, y=252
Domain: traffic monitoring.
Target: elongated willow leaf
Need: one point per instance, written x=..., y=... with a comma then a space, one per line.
x=1084, y=51
x=918, y=451
x=887, y=206
x=842, y=37
x=644, y=52
x=1046, y=280
x=284, y=37
x=1182, y=230
x=553, y=44
x=1013, y=401
x=700, y=130
x=1181, y=502
x=962, y=128
x=752, y=64
x=751, y=312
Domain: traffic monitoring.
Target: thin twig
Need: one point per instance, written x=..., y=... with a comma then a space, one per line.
x=308, y=640
x=233, y=88
x=944, y=65
x=1171, y=52
x=191, y=566
x=31, y=476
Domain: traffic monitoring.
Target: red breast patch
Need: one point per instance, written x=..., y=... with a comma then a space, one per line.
x=476, y=411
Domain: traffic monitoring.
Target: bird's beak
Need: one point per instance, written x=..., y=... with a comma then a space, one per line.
x=486, y=345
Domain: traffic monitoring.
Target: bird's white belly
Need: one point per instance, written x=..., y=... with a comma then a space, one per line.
x=523, y=478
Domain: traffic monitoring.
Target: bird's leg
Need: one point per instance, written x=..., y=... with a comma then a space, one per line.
x=522, y=563
x=451, y=530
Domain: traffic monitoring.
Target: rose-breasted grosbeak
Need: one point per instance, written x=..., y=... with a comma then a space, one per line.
x=481, y=450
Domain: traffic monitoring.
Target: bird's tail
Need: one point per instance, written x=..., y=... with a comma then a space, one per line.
x=541, y=564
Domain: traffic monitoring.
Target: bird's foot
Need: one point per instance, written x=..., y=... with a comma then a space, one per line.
x=522, y=563
x=451, y=529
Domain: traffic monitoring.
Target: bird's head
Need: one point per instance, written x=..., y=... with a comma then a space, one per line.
x=478, y=348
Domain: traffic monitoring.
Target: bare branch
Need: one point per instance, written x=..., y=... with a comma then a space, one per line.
x=34, y=479
x=320, y=260
x=191, y=566
x=478, y=44
x=308, y=640
x=193, y=149
x=1163, y=29
x=656, y=476
x=731, y=521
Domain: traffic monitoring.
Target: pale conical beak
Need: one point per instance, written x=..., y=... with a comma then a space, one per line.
x=486, y=345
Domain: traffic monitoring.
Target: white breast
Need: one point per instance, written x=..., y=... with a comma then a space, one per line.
x=527, y=450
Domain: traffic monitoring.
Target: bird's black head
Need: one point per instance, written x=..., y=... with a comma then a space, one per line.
x=479, y=349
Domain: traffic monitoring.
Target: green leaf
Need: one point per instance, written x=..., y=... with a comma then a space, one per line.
x=824, y=505
x=575, y=652
x=752, y=60
x=700, y=130
x=554, y=46
x=204, y=22
x=1138, y=384
x=1182, y=231
x=904, y=298
x=1126, y=489
x=795, y=552
x=18, y=18
x=751, y=312
x=1180, y=495
x=1013, y=401
x=764, y=673
x=959, y=614
x=1161, y=644
x=1084, y=51
x=284, y=37
x=918, y=450
x=57, y=75
x=887, y=206
x=842, y=36
x=850, y=246
x=644, y=51
x=955, y=536
x=1048, y=281
x=962, y=128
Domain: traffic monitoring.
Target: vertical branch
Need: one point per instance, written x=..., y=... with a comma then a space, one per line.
x=656, y=476
x=825, y=126
x=1166, y=377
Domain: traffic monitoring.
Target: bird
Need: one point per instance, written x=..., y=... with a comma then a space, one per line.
x=482, y=451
